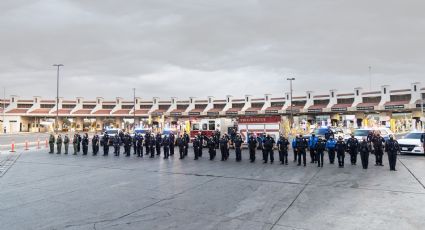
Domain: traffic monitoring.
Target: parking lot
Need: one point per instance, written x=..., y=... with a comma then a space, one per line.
x=49, y=191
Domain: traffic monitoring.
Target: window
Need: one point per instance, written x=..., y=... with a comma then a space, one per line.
x=191, y=101
x=357, y=92
x=98, y=101
x=154, y=101
x=205, y=126
x=137, y=101
x=228, y=99
x=309, y=96
x=415, y=88
x=195, y=127
x=47, y=106
x=385, y=90
x=371, y=99
x=211, y=125
x=78, y=101
x=13, y=99
x=267, y=98
x=68, y=106
x=209, y=100
x=405, y=97
x=172, y=101
x=24, y=106
x=345, y=101
x=89, y=106
x=333, y=94
x=36, y=100
x=108, y=106
x=247, y=99
x=127, y=106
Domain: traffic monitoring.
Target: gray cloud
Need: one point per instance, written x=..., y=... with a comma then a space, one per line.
x=201, y=48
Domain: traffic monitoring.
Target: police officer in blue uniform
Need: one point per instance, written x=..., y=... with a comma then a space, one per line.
x=353, y=145
x=268, y=144
x=105, y=143
x=364, y=148
x=211, y=148
x=320, y=151
x=330, y=146
x=224, y=147
x=312, y=145
x=158, y=143
x=139, y=145
x=172, y=142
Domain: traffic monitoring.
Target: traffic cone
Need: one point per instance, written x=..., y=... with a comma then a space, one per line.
x=13, y=147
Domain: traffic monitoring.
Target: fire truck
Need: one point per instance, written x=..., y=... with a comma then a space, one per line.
x=208, y=126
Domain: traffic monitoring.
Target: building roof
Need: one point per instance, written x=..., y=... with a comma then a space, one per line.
x=16, y=111
x=340, y=106
x=103, y=111
x=40, y=111
x=142, y=111
x=274, y=108
x=369, y=104
x=62, y=111
x=82, y=111
x=321, y=106
x=122, y=111
x=396, y=103
x=253, y=109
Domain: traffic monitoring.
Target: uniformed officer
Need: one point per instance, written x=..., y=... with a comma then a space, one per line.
x=166, y=145
x=312, y=145
x=364, y=148
x=147, y=142
x=139, y=145
x=423, y=141
x=85, y=143
x=294, y=148
x=302, y=145
x=152, y=145
x=340, y=147
x=105, y=143
x=211, y=148
x=320, y=151
x=186, y=141
x=79, y=140
x=282, y=146
x=75, y=143
x=238, y=147
x=117, y=144
x=127, y=144
x=330, y=146
x=158, y=143
x=217, y=139
x=353, y=145
x=95, y=144
x=66, y=143
x=52, y=143
x=392, y=148
x=252, y=145
x=180, y=141
x=172, y=142
x=196, y=147
x=378, y=146
x=268, y=146
x=201, y=144
x=224, y=147
x=134, y=140
x=59, y=144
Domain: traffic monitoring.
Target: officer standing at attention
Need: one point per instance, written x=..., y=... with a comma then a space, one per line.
x=294, y=148
x=224, y=147
x=364, y=148
x=238, y=147
x=158, y=142
x=186, y=141
x=85, y=143
x=268, y=146
x=59, y=144
x=172, y=142
x=211, y=148
x=134, y=139
x=201, y=143
x=423, y=141
x=330, y=146
x=320, y=151
x=340, y=151
x=252, y=145
x=392, y=148
x=117, y=144
x=105, y=142
x=95, y=144
x=147, y=142
x=66, y=142
x=127, y=144
x=181, y=145
x=282, y=146
x=302, y=145
x=139, y=145
x=152, y=146
x=196, y=146
x=353, y=145
x=312, y=145
x=74, y=143
x=378, y=146
x=166, y=144
x=79, y=139
x=52, y=143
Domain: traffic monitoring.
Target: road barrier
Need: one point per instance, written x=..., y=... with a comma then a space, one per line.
x=13, y=147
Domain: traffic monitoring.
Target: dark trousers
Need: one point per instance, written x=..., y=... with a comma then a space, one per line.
x=365, y=159
x=186, y=149
x=127, y=150
x=223, y=154
x=66, y=148
x=252, y=154
x=158, y=149
x=331, y=153
x=295, y=155
x=283, y=156
x=78, y=146
x=166, y=152
x=135, y=148
x=313, y=155
x=85, y=149
x=319, y=158
x=147, y=149
x=238, y=153
x=171, y=149
x=392, y=158
x=353, y=156
x=196, y=152
x=302, y=153
x=152, y=148
x=269, y=152
x=212, y=153
x=94, y=149
x=341, y=157
x=200, y=151
x=264, y=154
x=59, y=148
x=52, y=147
x=140, y=151
x=105, y=149
x=116, y=150
x=181, y=151
x=378, y=157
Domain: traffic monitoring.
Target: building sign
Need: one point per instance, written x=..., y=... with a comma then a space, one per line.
x=389, y=107
x=232, y=113
x=293, y=110
x=157, y=114
x=213, y=113
x=339, y=109
x=314, y=110
x=259, y=120
x=175, y=113
x=250, y=112
x=365, y=108
x=194, y=113
x=272, y=111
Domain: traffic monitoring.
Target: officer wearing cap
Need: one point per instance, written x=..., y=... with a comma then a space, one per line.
x=392, y=148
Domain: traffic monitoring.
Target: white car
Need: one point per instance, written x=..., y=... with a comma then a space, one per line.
x=411, y=143
x=360, y=133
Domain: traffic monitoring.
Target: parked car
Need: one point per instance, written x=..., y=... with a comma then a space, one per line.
x=321, y=132
x=111, y=133
x=360, y=133
x=411, y=143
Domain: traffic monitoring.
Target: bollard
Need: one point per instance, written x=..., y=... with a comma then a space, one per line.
x=38, y=143
x=26, y=145
x=13, y=147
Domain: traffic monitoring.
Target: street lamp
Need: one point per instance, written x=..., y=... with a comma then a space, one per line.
x=134, y=108
x=57, y=97
x=292, y=112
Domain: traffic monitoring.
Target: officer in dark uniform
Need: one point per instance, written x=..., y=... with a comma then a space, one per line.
x=282, y=146
x=117, y=144
x=52, y=143
x=180, y=142
x=302, y=145
x=294, y=148
x=186, y=141
x=378, y=146
x=127, y=144
x=423, y=141
x=172, y=142
x=330, y=146
x=211, y=148
x=268, y=146
x=75, y=143
x=105, y=143
x=134, y=140
x=66, y=143
x=353, y=145
x=224, y=148
x=217, y=139
x=85, y=143
x=364, y=148
x=196, y=146
x=79, y=140
x=238, y=147
x=201, y=144
x=166, y=145
x=147, y=142
x=320, y=151
x=59, y=144
x=152, y=146
x=340, y=147
x=95, y=144
x=139, y=145
x=252, y=145
x=158, y=143
x=392, y=148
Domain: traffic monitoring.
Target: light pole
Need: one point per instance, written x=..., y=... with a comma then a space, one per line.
x=292, y=112
x=57, y=97
x=4, y=109
x=134, y=108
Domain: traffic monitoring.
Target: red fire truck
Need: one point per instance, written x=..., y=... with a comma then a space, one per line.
x=208, y=126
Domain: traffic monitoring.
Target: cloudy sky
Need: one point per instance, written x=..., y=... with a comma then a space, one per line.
x=218, y=47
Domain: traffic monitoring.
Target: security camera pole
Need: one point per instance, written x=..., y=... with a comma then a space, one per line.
x=57, y=98
x=292, y=112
